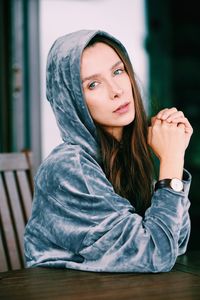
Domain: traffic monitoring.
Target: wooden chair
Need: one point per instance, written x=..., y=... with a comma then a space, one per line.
x=16, y=191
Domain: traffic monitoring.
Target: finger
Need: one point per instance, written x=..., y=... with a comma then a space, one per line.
x=166, y=114
x=153, y=120
x=157, y=122
x=167, y=124
x=177, y=114
x=161, y=113
x=183, y=120
x=181, y=126
x=178, y=120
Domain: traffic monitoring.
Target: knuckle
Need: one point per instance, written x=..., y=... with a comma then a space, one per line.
x=174, y=108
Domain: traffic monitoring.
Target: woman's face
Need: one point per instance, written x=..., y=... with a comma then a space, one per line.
x=107, y=88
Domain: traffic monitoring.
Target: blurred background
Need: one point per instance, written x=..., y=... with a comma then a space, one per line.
x=162, y=38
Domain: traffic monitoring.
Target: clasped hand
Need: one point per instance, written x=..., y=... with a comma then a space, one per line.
x=169, y=134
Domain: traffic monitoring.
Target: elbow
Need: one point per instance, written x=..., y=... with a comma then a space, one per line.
x=164, y=263
x=163, y=268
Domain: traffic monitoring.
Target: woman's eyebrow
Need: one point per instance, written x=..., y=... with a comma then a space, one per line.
x=98, y=74
x=116, y=64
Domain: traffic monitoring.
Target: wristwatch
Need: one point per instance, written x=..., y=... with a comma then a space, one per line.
x=174, y=183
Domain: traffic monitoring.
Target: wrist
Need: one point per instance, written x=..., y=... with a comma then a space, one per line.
x=175, y=184
x=171, y=168
x=173, y=157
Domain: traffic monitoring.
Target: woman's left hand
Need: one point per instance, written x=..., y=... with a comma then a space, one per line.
x=172, y=115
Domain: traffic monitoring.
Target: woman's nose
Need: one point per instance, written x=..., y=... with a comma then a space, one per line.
x=115, y=90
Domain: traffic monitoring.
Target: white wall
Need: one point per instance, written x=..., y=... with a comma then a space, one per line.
x=124, y=19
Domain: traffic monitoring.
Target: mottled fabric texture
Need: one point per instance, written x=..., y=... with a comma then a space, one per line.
x=78, y=221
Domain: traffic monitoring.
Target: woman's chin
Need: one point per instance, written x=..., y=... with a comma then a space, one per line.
x=128, y=120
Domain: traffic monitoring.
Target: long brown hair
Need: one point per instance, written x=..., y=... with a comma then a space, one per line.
x=128, y=164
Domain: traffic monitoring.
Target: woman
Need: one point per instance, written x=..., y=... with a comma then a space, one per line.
x=95, y=207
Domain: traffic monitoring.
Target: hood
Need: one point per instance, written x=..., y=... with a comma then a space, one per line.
x=64, y=89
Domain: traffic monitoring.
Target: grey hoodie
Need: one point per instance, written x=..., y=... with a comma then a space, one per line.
x=78, y=221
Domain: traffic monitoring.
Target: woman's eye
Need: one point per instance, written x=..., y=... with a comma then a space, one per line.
x=118, y=71
x=92, y=85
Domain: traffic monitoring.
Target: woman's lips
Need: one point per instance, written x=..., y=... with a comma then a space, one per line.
x=122, y=108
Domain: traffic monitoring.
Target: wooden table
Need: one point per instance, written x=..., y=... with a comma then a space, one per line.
x=182, y=283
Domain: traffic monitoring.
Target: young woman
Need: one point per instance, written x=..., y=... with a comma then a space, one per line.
x=95, y=206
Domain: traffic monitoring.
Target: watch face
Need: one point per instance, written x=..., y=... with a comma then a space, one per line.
x=176, y=184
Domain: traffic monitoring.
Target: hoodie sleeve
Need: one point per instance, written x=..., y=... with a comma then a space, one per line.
x=186, y=223
x=79, y=222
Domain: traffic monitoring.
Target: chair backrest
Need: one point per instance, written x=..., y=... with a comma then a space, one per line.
x=16, y=191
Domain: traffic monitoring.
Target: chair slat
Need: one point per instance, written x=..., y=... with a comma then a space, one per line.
x=13, y=161
x=16, y=208
x=3, y=260
x=16, y=189
x=24, y=186
x=8, y=229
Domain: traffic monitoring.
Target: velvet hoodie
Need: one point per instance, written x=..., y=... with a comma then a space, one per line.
x=78, y=221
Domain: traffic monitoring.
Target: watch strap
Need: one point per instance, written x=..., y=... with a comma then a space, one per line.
x=162, y=183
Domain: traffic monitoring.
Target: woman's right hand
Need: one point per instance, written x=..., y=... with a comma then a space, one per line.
x=171, y=116
x=167, y=140
x=169, y=136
